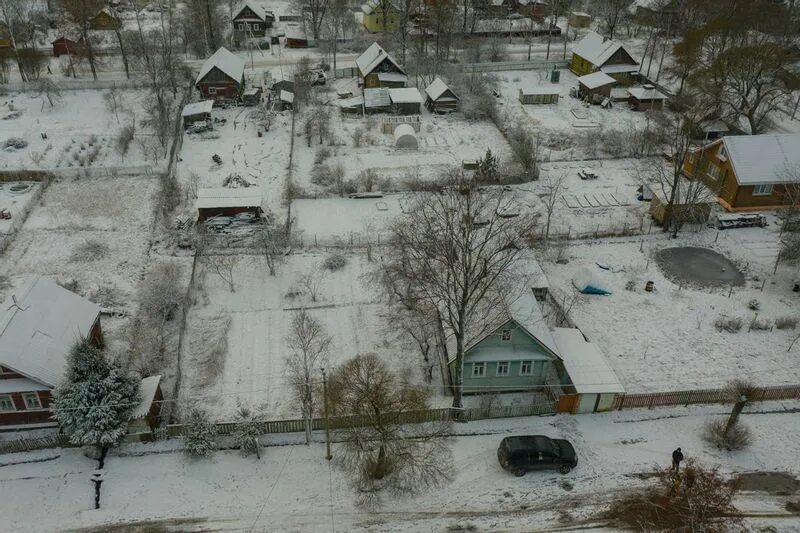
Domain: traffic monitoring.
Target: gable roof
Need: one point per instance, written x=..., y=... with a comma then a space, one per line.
x=372, y=57
x=405, y=95
x=147, y=394
x=437, y=88
x=370, y=6
x=231, y=65
x=762, y=159
x=596, y=49
x=259, y=11
x=38, y=332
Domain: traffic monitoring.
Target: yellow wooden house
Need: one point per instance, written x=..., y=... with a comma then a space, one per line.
x=380, y=16
x=595, y=53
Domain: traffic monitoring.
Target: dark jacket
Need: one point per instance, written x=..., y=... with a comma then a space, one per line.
x=677, y=456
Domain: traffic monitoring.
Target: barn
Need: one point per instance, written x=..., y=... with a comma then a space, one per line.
x=222, y=201
x=221, y=77
x=375, y=63
x=439, y=98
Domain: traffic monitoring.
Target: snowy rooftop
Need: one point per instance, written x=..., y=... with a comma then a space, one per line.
x=259, y=11
x=377, y=98
x=210, y=198
x=538, y=90
x=596, y=79
x=406, y=95
x=147, y=392
x=642, y=93
x=372, y=57
x=762, y=158
x=197, y=108
x=614, y=69
x=437, y=88
x=286, y=96
x=587, y=367
x=224, y=60
x=596, y=49
x=392, y=76
x=37, y=333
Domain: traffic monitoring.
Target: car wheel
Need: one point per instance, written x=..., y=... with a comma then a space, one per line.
x=564, y=469
x=519, y=473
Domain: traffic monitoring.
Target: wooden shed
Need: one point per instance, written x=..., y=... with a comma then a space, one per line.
x=439, y=98
x=645, y=98
x=595, y=87
x=196, y=112
x=222, y=201
x=538, y=95
x=406, y=101
x=579, y=19
x=65, y=46
x=145, y=416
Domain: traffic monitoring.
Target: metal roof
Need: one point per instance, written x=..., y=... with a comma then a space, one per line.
x=762, y=159
x=587, y=367
x=640, y=93
x=405, y=95
x=37, y=332
x=377, y=98
x=596, y=79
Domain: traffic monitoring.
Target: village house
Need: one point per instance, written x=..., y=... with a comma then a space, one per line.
x=377, y=68
x=66, y=46
x=532, y=8
x=501, y=8
x=42, y=322
x=748, y=171
x=439, y=98
x=251, y=22
x=105, y=21
x=595, y=53
x=380, y=16
x=221, y=77
x=654, y=12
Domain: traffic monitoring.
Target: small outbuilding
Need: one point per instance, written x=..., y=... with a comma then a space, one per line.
x=377, y=101
x=354, y=104
x=196, y=112
x=595, y=87
x=251, y=96
x=285, y=100
x=105, y=20
x=144, y=418
x=538, y=95
x=439, y=98
x=406, y=101
x=579, y=19
x=645, y=98
x=692, y=202
x=223, y=201
x=66, y=46
x=405, y=138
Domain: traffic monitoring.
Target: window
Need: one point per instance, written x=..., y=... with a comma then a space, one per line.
x=762, y=190
x=241, y=26
x=502, y=368
x=32, y=400
x=506, y=335
x=212, y=90
x=713, y=171
x=256, y=27
x=723, y=154
x=478, y=370
x=526, y=368
x=540, y=293
x=6, y=404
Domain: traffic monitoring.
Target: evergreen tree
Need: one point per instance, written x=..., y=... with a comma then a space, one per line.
x=248, y=429
x=94, y=402
x=199, y=440
x=487, y=167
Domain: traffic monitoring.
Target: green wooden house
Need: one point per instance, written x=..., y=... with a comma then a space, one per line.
x=517, y=354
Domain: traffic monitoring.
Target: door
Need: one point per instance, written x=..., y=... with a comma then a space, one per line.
x=587, y=403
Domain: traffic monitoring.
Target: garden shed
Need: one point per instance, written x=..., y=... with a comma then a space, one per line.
x=196, y=112
x=377, y=100
x=595, y=87
x=405, y=138
x=538, y=95
x=406, y=101
x=222, y=201
x=440, y=98
x=645, y=98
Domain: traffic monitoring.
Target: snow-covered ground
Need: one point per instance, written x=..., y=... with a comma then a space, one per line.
x=17, y=202
x=260, y=311
x=666, y=339
x=80, y=130
x=293, y=488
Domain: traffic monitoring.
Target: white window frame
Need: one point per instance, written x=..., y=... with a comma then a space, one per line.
x=723, y=154
x=523, y=364
x=241, y=26
x=26, y=397
x=505, y=335
x=713, y=170
x=478, y=370
x=763, y=189
x=11, y=400
x=503, y=364
x=212, y=90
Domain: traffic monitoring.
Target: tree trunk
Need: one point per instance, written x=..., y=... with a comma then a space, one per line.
x=734, y=416
x=89, y=52
x=122, y=52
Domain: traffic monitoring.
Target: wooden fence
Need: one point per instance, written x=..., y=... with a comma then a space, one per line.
x=650, y=400
x=29, y=445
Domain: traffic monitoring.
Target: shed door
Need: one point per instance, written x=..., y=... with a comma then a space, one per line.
x=587, y=403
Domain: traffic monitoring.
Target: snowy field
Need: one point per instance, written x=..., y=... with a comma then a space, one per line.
x=16, y=200
x=262, y=161
x=260, y=312
x=666, y=340
x=81, y=131
x=293, y=488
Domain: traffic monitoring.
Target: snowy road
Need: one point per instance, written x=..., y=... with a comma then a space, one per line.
x=293, y=488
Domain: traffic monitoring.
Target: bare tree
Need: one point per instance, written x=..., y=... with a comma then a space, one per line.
x=80, y=13
x=612, y=12
x=311, y=282
x=113, y=100
x=552, y=187
x=526, y=148
x=222, y=266
x=317, y=11
x=302, y=83
x=48, y=91
x=308, y=343
x=454, y=251
x=111, y=7
x=124, y=140
x=272, y=240
x=384, y=456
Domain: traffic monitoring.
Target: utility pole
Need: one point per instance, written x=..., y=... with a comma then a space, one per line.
x=328, y=455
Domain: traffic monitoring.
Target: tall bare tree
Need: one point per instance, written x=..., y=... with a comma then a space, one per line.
x=454, y=251
x=316, y=11
x=384, y=456
x=308, y=343
x=80, y=13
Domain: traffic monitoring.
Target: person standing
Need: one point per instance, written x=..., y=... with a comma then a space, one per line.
x=677, y=457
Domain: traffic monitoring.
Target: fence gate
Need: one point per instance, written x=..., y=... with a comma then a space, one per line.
x=568, y=403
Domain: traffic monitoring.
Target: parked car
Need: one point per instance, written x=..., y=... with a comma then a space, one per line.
x=520, y=454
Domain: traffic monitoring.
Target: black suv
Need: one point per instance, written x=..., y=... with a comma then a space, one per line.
x=536, y=452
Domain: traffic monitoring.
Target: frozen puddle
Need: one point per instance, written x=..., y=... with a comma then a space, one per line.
x=698, y=266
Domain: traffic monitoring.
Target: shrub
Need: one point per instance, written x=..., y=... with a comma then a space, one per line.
x=358, y=137
x=786, y=322
x=321, y=155
x=322, y=175
x=200, y=438
x=90, y=250
x=334, y=262
x=760, y=324
x=738, y=438
x=630, y=285
x=754, y=305
x=15, y=143
x=248, y=429
x=728, y=323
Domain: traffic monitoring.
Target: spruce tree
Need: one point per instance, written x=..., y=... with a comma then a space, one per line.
x=487, y=167
x=201, y=434
x=94, y=402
